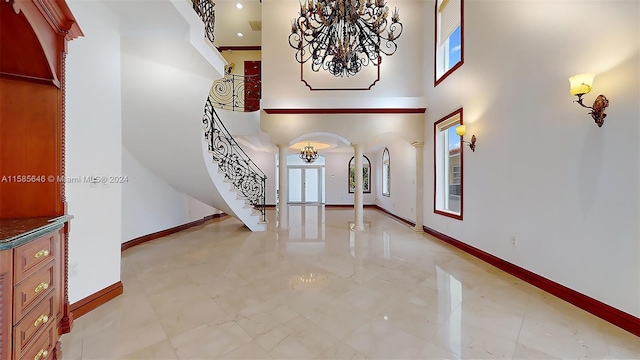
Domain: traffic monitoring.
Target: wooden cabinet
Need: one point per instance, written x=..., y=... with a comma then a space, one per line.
x=33, y=290
x=6, y=301
x=36, y=301
x=34, y=306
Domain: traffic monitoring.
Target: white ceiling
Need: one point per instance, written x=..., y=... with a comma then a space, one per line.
x=230, y=20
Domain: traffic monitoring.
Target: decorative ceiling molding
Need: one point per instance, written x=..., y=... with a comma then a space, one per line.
x=366, y=88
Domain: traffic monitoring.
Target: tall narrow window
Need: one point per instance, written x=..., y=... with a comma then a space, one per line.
x=449, y=49
x=386, y=173
x=448, y=166
x=366, y=175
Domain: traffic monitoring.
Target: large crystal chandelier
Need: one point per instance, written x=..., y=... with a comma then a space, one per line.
x=342, y=36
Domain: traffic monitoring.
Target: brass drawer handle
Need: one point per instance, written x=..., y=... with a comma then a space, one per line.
x=41, y=355
x=41, y=253
x=42, y=286
x=41, y=320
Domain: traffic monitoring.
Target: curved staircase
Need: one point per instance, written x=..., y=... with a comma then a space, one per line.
x=165, y=88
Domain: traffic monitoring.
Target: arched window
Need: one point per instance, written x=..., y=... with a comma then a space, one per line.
x=386, y=173
x=366, y=175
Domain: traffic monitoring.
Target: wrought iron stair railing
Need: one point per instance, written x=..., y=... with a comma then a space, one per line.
x=204, y=9
x=236, y=92
x=238, y=168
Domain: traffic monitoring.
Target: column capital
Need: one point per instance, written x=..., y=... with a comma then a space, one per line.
x=417, y=144
x=356, y=146
x=280, y=146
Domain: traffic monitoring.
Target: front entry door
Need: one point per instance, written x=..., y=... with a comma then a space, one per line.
x=304, y=184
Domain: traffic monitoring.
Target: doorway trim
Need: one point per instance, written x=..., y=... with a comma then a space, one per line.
x=320, y=181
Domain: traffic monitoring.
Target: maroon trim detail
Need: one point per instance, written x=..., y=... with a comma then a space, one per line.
x=334, y=89
x=435, y=137
x=239, y=48
x=143, y=239
x=408, y=222
x=328, y=206
x=435, y=42
x=95, y=300
x=348, y=111
x=606, y=312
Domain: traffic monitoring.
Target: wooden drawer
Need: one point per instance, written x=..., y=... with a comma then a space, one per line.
x=29, y=257
x=43, y=346
x=37, y=319
x=28, y=293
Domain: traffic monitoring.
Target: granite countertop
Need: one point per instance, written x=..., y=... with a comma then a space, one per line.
x=15, y=232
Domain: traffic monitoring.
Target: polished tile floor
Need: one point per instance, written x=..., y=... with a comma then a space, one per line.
x=320, y=291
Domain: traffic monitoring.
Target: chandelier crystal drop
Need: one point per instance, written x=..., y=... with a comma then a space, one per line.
x=343, y=36
x=308, y=154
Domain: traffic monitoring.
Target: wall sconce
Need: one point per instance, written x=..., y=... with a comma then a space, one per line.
x=582, y=84
x=461, y=130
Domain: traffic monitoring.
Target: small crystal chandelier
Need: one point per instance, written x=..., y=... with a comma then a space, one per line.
x=308, y=154
x=342, y=36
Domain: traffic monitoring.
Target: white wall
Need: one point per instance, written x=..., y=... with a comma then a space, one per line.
x=543, y=171
x=150, y=205
x=359, y=128
x=402, y=195
x=336, y=164
x=93, y=140
x=238, y=57
x=400, y=74
x=337, y=179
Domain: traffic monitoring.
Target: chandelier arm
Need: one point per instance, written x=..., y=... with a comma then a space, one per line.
x=342, y=36
x=366, y=39
x=322, y=50
x=387, y=43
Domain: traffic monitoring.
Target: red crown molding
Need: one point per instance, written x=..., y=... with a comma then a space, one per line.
x=60, y=18
x=348, y=111
x=239, y=48
x=57, y=14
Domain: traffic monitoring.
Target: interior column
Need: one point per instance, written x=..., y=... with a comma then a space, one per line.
x=358, y=196
x=419, y=185
x=283, y=208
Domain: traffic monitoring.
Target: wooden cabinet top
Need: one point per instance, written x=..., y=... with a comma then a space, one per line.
x=16, y=232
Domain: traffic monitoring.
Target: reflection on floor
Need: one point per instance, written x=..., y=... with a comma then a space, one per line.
x=319, y=291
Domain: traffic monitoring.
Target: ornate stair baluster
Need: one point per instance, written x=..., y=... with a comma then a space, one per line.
x=236, y=93
x=247, y=178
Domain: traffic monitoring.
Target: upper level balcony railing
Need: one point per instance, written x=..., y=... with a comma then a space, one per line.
x=236, y=93
x=204, y=9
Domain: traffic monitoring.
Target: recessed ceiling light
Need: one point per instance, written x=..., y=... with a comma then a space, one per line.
x=239, y=6
x=240, y=35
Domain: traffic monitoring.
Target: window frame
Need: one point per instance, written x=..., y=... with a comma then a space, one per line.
x=436, y=80
x=386, y=167
x=436, y=133
x=366, y=172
